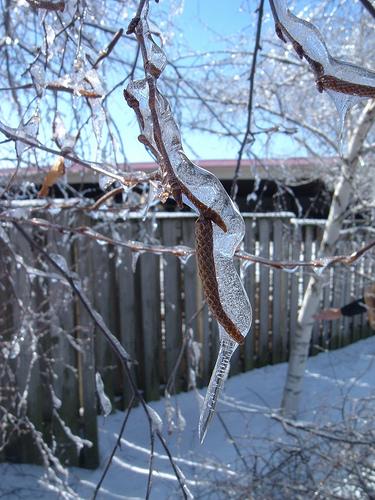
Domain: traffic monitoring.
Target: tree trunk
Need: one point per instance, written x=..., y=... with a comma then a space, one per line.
x=341, y=198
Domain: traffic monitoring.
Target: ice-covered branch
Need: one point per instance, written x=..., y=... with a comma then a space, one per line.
x=220, y=227
x=184, y=252
x=45, y=4
x=346, y=83
x=126, y=179
x=248, y=132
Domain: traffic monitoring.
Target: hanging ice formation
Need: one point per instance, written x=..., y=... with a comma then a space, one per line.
x=346, y=83
x=219, y=228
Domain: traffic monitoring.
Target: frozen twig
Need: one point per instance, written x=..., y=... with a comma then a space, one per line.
x=107, y=51
x=248, y=133
x=331, y=74
x=369, y=6
x=47, y=5
x=114, y=449
x=185, y=251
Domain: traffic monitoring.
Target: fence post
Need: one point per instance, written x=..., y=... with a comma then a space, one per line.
x=82, y=253
x=150, y=322
x=279, y=292
x=250, y=285
x=170, y=229
x=264, y=294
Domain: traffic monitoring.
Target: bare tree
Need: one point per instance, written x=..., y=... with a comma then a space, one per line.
x=61, y=69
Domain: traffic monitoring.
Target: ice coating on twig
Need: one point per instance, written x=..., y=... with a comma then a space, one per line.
x=105, y=402
x=346, y=83
x=314, y=46
x=203, y=192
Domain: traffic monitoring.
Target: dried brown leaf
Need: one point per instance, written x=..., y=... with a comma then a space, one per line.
x=56, y=171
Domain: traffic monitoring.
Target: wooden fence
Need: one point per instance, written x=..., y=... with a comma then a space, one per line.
x=149, y=302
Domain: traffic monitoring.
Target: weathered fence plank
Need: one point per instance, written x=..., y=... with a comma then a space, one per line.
x=128, y=307
x=250, y=284
x=63, y=335
x=82, y=253
x=170, y=235
x=279, y=295
x=264, y=294
x=149, y=297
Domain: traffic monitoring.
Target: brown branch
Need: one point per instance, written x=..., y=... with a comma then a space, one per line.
x=114, y=449
x=185, y=251
x=106, y=52
x=134, y=22
x=248, y=133
x=368, y=5
x=105, y=197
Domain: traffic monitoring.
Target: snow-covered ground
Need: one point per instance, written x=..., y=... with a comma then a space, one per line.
x=333, y=380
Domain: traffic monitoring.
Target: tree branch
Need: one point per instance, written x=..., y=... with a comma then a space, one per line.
x=368, y=5
x=257, y=47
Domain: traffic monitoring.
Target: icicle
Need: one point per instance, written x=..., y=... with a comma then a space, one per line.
x=153, y=192
x=105, y=182
x=156, y=421
x=135, y=257
x=320, y=270
x=244, y=266
x=11, y=350
x=105, y=402
x=56, y=402
x=98, y=114
x=37, y=72
x=218, y=377
x=185, y=487
x=185, y=254
x=291, y=270
x=60, y=260
x=29, y=130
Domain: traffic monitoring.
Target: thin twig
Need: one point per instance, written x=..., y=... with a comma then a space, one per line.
x=72, y=280
x=117, y=444
x=185, y=251
x=150, y=468
x=257, y=47
x=106, y=52
x=58, y=87
x=30, y=141
x=368, y=5
x=232, y=440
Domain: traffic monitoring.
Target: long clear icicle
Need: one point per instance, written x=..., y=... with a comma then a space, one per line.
x=218, y=377
x=208, y=190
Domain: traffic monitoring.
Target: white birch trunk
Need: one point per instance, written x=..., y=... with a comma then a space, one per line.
x=341, y=198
